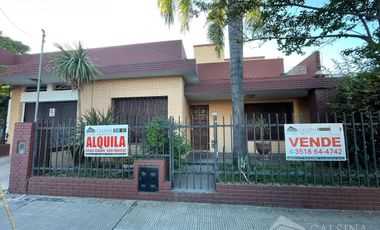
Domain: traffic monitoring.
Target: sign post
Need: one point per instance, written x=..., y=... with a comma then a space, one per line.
x=315, y=142
x=106, y=141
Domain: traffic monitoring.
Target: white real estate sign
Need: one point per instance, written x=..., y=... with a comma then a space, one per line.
x=106, y=141
x=315, y=142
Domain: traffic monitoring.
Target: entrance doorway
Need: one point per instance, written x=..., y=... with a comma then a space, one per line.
x=200, y=132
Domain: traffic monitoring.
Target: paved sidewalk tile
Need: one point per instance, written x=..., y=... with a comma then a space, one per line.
x=39, y=212
x=171, y=215
x=4, y=171
x=46, y=212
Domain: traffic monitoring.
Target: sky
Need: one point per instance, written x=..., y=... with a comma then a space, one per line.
x=101, y=23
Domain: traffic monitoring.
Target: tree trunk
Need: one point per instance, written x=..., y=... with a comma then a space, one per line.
x=235, y=28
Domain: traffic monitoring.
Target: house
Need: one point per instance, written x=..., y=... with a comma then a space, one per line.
x=156, y=79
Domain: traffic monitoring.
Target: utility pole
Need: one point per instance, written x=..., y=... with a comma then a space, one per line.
x=39, y=76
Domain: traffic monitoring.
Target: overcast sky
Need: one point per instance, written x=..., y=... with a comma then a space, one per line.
x=99, y=23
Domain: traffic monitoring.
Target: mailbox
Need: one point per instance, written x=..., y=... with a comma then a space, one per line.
x=148, y=179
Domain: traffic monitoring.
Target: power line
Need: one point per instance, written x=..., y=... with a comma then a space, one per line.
x=11, y=21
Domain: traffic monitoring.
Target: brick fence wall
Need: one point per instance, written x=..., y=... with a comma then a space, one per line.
x=22, y=182
x=21, y=164
x=263, y=195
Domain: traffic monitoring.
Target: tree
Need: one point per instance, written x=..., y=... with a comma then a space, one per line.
x=351, y=65
x=358, y=98
x=296, y=24
x=359, y=93
x=73, y=67
x=18, y=48
x=221, y=14
x=12, y=46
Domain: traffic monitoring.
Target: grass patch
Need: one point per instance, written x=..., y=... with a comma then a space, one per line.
x=296, y=173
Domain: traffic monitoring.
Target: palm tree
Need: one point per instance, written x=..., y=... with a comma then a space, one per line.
x=221, y=13
x=73, y=67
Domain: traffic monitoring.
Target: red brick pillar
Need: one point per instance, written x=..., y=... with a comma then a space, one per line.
x=318, y=101
x=22, y=157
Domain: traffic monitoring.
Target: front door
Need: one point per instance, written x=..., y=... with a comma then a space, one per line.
x=200, y=131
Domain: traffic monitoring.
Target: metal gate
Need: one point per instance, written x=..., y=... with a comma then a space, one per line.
x=197, y=170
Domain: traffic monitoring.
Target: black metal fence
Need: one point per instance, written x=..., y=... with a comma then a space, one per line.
x=59, y=152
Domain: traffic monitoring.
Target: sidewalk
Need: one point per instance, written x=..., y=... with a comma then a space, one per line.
x=43, y=212
x=4, y=171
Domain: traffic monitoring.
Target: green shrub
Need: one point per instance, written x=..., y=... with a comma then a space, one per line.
x=3, y=68
x=359, y=93
x=97, y=117
x=157, y=138
x=358, y=97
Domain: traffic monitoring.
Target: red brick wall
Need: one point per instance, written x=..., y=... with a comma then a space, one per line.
x=106, y=188
x=318, y=101
x=312, y=63
x=21, y=165
x=262, y=195
x=300, y=196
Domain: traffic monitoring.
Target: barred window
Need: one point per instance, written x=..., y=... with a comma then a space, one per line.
x=268, y=112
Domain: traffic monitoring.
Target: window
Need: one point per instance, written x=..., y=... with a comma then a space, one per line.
x=269, y=112
x=138, y=111
x=62, y=87
x=65, y=113
x=34, y=88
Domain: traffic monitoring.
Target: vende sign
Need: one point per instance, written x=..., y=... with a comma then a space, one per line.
x=106, y=141
x=315, y=142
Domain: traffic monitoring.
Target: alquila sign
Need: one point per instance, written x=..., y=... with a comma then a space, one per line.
x=106, y=141
x=315, y=142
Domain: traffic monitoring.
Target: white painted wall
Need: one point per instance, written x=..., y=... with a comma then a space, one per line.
x=50, y=96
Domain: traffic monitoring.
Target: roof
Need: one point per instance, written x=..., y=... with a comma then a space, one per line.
x=137, y=60
x=262, y=78
x=253, y=68
x=7, y=58
x=294, y=86
x=168, y=58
